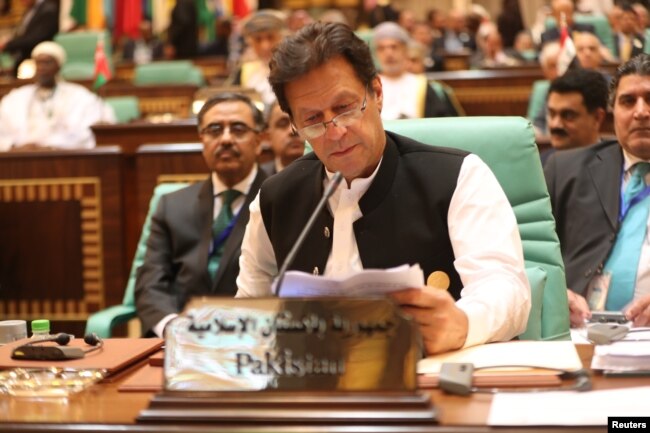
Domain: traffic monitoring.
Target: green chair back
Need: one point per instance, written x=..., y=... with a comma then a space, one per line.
x=507, y=145
x=601, y=26
x=168, y=72
x=126, y=108
x=80, y=53
x=537, y=98
x=103, y=322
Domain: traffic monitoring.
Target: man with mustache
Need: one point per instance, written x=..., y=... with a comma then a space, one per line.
x=576, y=107
x=286, y=143
x=196, y=232
x=600, y=199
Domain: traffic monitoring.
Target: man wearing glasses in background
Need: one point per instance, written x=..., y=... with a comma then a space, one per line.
x=196, y=232
x=400, y=201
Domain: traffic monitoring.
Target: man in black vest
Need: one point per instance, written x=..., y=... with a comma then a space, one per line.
x=196, y=232
x=402, y=202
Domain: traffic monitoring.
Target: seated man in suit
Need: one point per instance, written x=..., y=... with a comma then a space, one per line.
x=407, y=95
x=400, y=202
x=576, y=107
x=51, y=113
x=628, y=41
x=286, y=144
x=39, y=23
x=196, y=232
x=601, y=200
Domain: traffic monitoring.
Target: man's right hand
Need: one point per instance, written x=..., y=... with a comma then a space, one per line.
x=578, y=309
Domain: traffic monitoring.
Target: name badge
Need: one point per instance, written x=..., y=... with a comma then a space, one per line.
x=350, y=344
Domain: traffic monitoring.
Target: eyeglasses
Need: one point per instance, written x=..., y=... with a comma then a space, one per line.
x=344, y=119
x=237, y=129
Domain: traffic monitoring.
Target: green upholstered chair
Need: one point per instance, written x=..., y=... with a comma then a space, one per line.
x=537, y=98
x=103, y=322
x=126, y=108
x=507, y=145
x=80, y=53
x=168, y=72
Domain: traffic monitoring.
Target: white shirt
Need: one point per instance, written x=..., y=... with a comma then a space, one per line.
x=217, y=188
x=61, y=119
x=643, y=271
x=484, y=236
x=401, y=96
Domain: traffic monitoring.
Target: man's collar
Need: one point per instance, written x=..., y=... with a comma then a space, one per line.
x=629, y=160
x=243, y=186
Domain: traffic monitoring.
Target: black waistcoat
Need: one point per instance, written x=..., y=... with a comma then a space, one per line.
x=404, y=211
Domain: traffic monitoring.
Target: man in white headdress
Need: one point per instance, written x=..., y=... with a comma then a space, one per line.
x=51, y=113
x=406, y=95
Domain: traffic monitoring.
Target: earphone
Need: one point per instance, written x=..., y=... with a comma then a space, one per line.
x=34, y=351
x=456, y=378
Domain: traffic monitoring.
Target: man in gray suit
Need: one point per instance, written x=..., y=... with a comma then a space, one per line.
x=196, y=232
x=589, y=192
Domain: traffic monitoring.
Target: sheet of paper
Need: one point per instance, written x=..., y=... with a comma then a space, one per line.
x=567, y=407
x=624, y=355
x=364, y=283
x=550, y=354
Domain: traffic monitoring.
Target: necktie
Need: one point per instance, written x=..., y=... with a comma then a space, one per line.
x=221, y=222
x=626, y=48
x=624, y=258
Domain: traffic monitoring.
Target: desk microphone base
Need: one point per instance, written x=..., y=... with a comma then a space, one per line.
x=287, y=408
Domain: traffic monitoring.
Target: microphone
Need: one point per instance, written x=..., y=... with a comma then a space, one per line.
x=334, y=183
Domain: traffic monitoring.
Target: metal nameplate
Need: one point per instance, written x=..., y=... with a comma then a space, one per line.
x=344, y=344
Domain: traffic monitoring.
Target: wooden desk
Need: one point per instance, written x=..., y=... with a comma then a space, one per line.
x=103, y=409
x=131, y=135
x=62, y=253
x=491, y=92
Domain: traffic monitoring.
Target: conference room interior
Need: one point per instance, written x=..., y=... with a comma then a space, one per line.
x=73, y=218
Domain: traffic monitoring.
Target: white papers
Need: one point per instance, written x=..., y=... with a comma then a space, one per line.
x=567, y=407
x=364, y=283
x=549, y=354
x=623, y=355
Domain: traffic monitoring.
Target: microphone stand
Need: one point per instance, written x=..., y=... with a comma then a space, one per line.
x=334, y=183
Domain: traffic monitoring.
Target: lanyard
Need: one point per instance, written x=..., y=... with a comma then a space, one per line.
x=221, y=239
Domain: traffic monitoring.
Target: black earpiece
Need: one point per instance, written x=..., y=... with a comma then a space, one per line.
x=92, y=339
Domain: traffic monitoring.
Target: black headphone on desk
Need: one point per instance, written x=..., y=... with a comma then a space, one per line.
x=34, y=351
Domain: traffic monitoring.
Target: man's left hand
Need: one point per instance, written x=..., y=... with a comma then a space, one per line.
x=639, y=311
x=442, y=324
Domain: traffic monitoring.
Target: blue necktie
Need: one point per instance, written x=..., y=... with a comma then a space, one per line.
x=221, y=222
x=623, y=261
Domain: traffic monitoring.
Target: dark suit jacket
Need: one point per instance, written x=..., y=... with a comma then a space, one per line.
x=183, y=31
x=584, y=185
x=553, y=34
x=42, y=27
x=176, y=261
x=638, y=42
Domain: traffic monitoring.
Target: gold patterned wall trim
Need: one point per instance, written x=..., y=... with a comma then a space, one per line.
x=492, y=94
x=185, y=178
x=87, y=191
x=179, y=106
